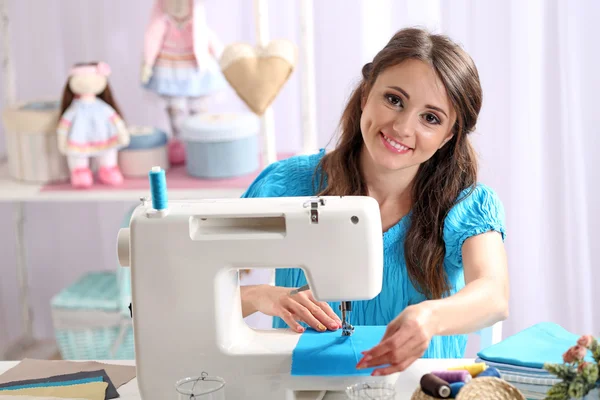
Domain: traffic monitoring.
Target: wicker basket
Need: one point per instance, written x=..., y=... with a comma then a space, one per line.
x=489, y=387
x=88, y=321
x=484, y=388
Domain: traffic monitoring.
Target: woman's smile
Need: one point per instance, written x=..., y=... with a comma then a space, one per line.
x=393, y=145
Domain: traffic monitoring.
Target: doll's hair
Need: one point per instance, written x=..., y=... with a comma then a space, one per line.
x=106, y=95
x=441, y=179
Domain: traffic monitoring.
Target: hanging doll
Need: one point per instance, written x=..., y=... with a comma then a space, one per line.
x=181, y=56
x=91, y=126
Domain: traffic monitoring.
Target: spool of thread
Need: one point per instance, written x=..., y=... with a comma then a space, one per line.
x=490, y=371
x=454, y=376
x=435, y=387
x=455, y=388
x=158, y=188
x=474, y=369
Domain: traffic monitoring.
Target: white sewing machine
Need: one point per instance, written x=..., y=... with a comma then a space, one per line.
x=187, y=314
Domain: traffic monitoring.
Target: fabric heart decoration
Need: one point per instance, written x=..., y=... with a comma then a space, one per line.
x=257, y=74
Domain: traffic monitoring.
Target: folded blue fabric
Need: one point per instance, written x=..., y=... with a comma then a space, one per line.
x=49, y=384
x=331, y=354
x=541, y=343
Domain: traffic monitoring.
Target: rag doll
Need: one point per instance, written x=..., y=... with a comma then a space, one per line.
x=181, y=56
x=91, y=126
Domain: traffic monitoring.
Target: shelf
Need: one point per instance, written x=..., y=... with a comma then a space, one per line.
x=179, y=184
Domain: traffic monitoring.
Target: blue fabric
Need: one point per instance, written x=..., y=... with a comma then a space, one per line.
x=532, y=347
x=478, y=212
x=52, y=384
x=331, y=354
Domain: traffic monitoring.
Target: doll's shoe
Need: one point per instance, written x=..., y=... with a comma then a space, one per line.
x=176, y=152
x=81, y=178
x=110, y=175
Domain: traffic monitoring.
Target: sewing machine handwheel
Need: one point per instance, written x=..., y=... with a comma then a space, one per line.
x=123, y=247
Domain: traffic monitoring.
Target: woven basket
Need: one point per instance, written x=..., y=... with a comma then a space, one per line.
x=420, y=395
x=484, y=388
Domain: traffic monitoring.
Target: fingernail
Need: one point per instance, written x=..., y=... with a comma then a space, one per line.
x=366, y=358
x=333, y=326
x=376, y=373
x=300, y=329
x=322, y=327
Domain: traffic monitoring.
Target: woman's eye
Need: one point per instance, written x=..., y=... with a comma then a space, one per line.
x=393, y=100
x=432, y=119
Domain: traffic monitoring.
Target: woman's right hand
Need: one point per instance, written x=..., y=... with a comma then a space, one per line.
x=276, y=301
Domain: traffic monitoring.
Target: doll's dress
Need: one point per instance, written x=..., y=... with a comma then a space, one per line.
x=92, y=127
x=175, y=71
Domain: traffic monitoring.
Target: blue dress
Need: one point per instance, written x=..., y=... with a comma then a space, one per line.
x=480, y=212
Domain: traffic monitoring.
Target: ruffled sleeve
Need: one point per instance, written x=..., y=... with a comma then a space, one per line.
x=289, y=177
x=479, y=211
x=271, y=182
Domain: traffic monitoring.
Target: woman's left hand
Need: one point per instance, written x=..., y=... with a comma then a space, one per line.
x=405, y=340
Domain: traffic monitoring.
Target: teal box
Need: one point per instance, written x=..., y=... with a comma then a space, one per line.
x=88, y=320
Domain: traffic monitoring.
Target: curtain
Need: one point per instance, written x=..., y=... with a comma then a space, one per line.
x=537, y=136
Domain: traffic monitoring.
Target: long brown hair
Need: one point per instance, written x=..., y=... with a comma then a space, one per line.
x=441, y=179
x=106, y=95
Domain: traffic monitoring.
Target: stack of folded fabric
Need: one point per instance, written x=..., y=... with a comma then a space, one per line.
x=520, y=358
x=64, y=379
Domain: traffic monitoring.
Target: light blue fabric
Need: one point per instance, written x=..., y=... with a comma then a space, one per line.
x=481, y=211
x=330, y=353
x=53, y=384
x=532, y=347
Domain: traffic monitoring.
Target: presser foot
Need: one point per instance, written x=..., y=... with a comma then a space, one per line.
x=347, y=329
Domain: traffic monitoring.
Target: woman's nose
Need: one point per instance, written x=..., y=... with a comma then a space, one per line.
x=404, y=125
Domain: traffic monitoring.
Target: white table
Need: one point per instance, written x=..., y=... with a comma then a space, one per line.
x=407, y=382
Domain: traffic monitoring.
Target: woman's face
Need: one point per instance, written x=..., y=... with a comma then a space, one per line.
x=406, y=117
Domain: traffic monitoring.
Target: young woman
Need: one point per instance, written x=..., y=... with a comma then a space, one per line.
x=404, y=141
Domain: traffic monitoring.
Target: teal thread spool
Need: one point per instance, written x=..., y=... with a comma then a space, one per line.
x=455, y=388
x=158, y=188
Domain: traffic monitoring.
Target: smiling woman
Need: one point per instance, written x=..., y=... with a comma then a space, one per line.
x=404, y=142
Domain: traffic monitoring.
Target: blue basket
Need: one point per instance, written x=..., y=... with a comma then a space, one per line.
x=88, y=321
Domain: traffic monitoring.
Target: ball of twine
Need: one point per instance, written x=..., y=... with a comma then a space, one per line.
x=484, y=388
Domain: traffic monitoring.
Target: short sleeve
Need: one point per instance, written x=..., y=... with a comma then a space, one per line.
x=478, y=211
